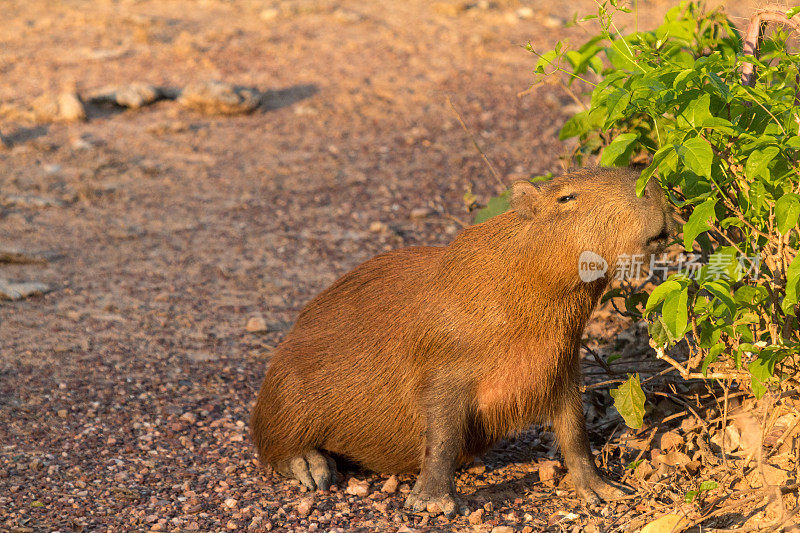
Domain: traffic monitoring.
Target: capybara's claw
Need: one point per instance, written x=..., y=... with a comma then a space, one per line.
x=598, y=490
x=313, y=469
x=445, y=504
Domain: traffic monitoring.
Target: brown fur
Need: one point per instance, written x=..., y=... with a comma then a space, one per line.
x=494, y=320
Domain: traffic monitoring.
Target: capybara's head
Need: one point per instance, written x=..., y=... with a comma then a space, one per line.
x=595, y=211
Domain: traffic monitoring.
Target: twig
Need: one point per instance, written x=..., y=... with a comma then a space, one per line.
x=477, y=147
x=686, y=404
x=641, y=452
x=725, y=426
x=600, y=360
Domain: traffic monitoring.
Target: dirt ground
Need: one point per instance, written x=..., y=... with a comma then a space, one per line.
x=125, y=392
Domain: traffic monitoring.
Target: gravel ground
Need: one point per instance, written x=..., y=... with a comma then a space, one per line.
x=125, y=391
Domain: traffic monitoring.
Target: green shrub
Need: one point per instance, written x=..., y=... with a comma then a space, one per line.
x=727, y=156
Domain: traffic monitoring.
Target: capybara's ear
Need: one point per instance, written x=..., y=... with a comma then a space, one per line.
x=524, y=198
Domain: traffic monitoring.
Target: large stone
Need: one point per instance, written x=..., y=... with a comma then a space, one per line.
x=218, y=98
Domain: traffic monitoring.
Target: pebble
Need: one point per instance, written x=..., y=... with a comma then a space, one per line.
x=304, y=507
x=70, y=107
x=421, y=212
x=476, y=517
x=390, y=485
x=552, y=22
x=188, y=417
x=502, y=529
x=256, y=324
x=357, y=487
x=134, y=95
x=219, y=98
x=378, y=227
x=230, y=503
x=18, y=291
x=525, y=13
x=28, y=200
x=269, y=14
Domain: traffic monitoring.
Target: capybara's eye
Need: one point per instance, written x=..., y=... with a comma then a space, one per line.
x=567, y=198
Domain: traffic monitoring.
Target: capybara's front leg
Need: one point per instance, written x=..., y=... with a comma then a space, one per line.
x=569, y=426
x=435, y=489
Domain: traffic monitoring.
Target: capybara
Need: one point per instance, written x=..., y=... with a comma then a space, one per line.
x=423, y=357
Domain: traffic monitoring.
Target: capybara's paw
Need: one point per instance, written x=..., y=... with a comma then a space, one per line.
x=596, y=490
x=434, y=502
x=313, y=469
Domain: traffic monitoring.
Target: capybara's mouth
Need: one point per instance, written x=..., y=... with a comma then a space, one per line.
x=660, y=239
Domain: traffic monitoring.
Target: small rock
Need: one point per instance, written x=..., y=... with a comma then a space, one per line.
x=525, y=13
x=62, y=413
x=304, y=507
x=256, y=324
x=20, y=257
x=476, y=517
x=378, y=227
x=134, y=95
x=27, y=200
x=214, y=97
x=188, y=417
x=269, y=14
x=548, y=472
x=70, y=107
x=503, y=529
x=200, y=356
x=421, y=212
x=344, y=15
x=230, y=503
x=18, y=291
x=357, y=487
x=552, y=22
x=477, y=467
x=390, y=485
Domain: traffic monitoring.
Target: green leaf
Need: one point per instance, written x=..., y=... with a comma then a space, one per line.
x=495, y=206
x=708, y=485
x=661, y=292
x=698, y=222
x=762, y=369
x=578, y=124
x=690, y=496
x=697, y=155
x=676, y=312
x=787, y=212
x=792, y=12
x=616, y=103
x=722, y=292
x=612, y=154
x=647, y=173
x=759, y=160
x=722, y=88
x=697, y=113
x=792, y=286
x=629, y=401
x=712, y=355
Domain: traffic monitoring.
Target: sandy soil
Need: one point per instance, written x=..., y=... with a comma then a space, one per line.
x=125, y=392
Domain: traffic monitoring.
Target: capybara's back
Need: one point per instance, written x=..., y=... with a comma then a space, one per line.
x=424, y=356
x=344, y=373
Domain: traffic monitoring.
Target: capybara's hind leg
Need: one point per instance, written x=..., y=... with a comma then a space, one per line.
x=315, y=470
